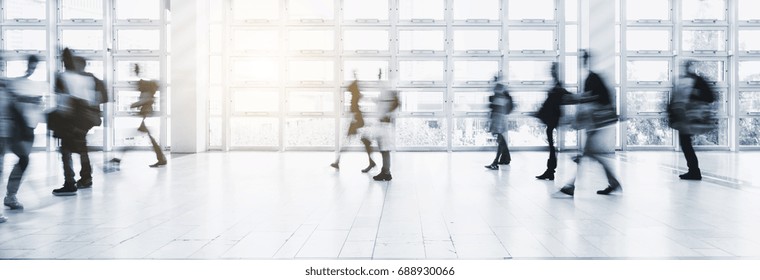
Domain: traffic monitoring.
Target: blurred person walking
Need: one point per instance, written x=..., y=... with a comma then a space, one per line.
x=691, y=112
x=78, y=99
x=388, y=102
x=25, y=113
x=501, y=105
x=145, y=103
x=595, y=114
x=549, y=114
x=357, y=122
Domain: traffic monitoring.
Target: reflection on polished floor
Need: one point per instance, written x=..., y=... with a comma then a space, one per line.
x=292, y=205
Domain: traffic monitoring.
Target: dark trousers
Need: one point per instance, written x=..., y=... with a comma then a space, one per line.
x=70, y=146
x=551, y=164
x=502, y=151
x=688, y=152
x=21, y=148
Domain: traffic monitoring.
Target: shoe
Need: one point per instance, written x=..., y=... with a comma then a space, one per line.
x=577, y=158
x=158, y=164
x=609, y=190
x=383, y=177
x=504, y=162
x=365, y=170
x=84, y=184
x=493, y=166
x=3, y=219
x=546, y=176
x=691, y=176
x=13, y=203
x=568, y=190
x=335, y=165
x=65, y=191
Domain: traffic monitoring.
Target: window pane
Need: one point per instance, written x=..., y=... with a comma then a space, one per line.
x=367, y=103
x=749, y=71
x=243, y=10
x=81, y=9
x=526, y=132
x=716, y=137
x=417, y=132
x=95, y=137
x=253, y=132
x=465, y=40
x=125, y=98
x=421, y=40
x=312, y=101
x=710, y=70
x=25, y=9
x=528, y=101
x=475, y=71
x=311, y=40
x=571, y=70
x=313, y=132
x=472, y=101
x=215, y=100
x=255, y=40
x=748, y=9
x=647, y=101
x=421, y=71
x=520, y=40
x=126, y=133
x=571, y=38
x=415, y=102
x=255, y=70
x=571, y=10
x=749, y=40
x=649, y=132
x=216, y=11
x=648, y=10
x=215, y=35
x=96, y=68
x=363, y=10
x=365, y=40
x=310, y=9
x=471, y=132
x=130, y=39
x=17, y=68
x=571, y=137
x=476, y=9
x=149, y=70
x=255, y=101
x=216, y=73
x=76, y=39
x=704, y=40
x=530, y=71
x=648, y=71
x=704, y=9
x=421, y=10
x=40, y=135
x=534, y=9
x=215, y=132
x=138, y=9
x=366, y=70
x=25, y=40
x=648, y=40
x=311, y=71
x=749, y=131
x=749, y=102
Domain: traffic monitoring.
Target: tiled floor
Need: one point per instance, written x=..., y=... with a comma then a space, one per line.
x=260, y=205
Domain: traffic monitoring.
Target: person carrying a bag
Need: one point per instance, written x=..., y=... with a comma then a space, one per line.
x=77, y=111
x=690, y=111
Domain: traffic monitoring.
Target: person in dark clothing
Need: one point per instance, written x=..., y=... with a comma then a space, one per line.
x=549, y=114
x=77, y=112
x=601, y=113
x=501, y=105
x=147, y=98
x=691, y=113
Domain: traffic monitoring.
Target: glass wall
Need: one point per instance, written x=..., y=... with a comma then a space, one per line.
x=113, y=36
x=294, y=60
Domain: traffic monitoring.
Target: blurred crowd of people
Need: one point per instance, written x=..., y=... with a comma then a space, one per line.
x=79, y=96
